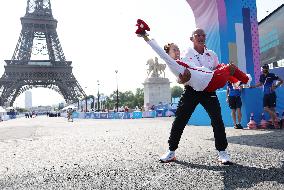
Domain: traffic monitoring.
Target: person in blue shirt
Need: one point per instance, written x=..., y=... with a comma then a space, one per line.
x=235, y=102
x=269, y=96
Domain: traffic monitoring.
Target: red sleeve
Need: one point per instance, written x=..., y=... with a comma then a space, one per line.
x=182, y=64
x=220, y=65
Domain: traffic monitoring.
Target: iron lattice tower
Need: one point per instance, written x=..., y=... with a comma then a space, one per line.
x=38, y=37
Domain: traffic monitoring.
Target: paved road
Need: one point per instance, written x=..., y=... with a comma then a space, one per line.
x=51, y=153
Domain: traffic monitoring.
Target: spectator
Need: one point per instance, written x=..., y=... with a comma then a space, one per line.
x=269, y=96
x=126, y=109
x=235, y=102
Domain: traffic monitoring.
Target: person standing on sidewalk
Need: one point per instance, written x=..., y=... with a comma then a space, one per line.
x=235, y=102
x=202, y=57
x=269, y=96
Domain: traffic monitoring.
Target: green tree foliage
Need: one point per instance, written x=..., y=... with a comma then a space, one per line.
x=127, y=98
x=139, y=97
x=21, y=110
x=176, y=91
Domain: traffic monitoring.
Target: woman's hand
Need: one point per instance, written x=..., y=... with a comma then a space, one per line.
x=232, y=68
x=142, y=27
x=183, y=78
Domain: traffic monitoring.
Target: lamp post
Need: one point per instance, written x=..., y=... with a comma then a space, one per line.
x=86, y=106
x=116, y=71
x=86, y=102
x=78, y=104
x=98, y=95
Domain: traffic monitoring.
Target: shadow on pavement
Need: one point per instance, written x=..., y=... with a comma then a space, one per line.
x=238, y=176
x=274, y=139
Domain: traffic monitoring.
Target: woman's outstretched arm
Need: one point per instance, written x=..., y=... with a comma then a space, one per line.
x=175, y=68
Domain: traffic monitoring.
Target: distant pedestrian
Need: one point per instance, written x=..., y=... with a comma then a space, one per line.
x=69, y=115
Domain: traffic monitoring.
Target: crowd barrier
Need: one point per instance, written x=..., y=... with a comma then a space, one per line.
x=9, y=117
x=121, y=115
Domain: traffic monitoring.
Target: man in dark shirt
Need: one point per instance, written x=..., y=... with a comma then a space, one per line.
x=269, y=96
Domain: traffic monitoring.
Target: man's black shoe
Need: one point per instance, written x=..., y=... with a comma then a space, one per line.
x=238, y=126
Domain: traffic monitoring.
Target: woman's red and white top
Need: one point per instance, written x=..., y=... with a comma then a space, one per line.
x=200, y=75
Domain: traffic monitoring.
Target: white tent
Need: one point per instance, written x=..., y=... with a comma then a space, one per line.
x=2, y=110
x=69, y=107
x=10, y=108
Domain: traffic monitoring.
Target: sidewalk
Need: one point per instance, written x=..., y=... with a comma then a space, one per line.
x=51, y=153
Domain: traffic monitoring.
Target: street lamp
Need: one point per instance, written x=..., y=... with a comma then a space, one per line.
x=116, y=71
x=78, y=104
x=86, y=101
x=98, y=95
x=86, y=104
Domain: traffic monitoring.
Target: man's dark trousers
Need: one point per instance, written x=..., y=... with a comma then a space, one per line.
x=187, y=104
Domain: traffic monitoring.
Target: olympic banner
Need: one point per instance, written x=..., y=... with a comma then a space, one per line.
x=206, y=17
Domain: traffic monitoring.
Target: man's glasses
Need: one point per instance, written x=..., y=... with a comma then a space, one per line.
x=199, y=35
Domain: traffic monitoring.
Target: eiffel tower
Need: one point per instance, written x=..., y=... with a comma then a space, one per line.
x=38, y=38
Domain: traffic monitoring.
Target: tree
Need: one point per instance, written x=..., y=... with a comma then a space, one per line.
x=139, y=98
x=109, y=103
x=125, y=99
x=21, y=110
x=176, y=91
